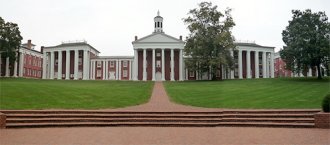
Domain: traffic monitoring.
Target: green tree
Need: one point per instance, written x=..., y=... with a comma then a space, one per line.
x=10, y=39
x=307, y=41
x=210, y=40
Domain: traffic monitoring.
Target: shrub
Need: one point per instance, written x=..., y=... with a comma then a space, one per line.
x=326, y=103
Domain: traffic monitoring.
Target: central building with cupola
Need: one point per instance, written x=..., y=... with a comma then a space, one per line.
x=158, y=56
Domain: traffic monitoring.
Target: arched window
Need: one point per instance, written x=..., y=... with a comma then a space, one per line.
x=161, y=24
x=155, y=24
x=158, y=24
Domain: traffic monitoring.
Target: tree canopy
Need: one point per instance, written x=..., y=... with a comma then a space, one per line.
x=10, y=39
x=307, y=41
x=210, y=40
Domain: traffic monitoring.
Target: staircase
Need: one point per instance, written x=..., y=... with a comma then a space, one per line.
x=91, y=118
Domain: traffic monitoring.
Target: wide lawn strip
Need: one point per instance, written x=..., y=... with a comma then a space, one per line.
x=71, y=94
x=282, y=93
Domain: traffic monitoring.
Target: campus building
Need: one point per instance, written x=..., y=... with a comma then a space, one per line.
x=157, y=57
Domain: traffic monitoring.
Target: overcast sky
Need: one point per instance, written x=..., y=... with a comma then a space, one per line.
x=110, y=25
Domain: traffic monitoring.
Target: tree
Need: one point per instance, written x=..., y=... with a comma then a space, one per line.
x=10, y=39
x=210, y=40
x=307, y=41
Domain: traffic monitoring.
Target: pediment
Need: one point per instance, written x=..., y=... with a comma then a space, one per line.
x=158, y=37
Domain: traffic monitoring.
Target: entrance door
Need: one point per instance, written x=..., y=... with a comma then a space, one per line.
x=112, y=75
x=158, y=76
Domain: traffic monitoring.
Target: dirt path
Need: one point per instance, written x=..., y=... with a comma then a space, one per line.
x=160, y=101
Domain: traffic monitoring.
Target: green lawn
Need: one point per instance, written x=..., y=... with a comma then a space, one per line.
x=283, y=93
x=63, y=94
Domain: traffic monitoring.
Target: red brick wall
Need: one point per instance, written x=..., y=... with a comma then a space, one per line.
x=167, y=64
x=176, y=65
x=125, y=68
x=253, y=66
x=140, y=65
x=149, y=64
x=244, y=63
x=32, y=64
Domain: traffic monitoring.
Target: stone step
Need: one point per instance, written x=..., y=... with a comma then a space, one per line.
x=112, y=116
x=279, y=111
x=282, y=120
x=267, y=124
x=44, y=120
x=101, y=112
x=257, y=115
x=160, y=124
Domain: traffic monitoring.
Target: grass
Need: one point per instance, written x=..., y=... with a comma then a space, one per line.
x=64, y=94
x=283, y=93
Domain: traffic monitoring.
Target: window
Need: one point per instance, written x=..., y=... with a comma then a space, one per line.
x=158, y=54
x=112, y=64
x=99, y=64
x=158, y=63
x=80, y=61
x=98, y=73
x=124, y=63
x=56, y=62
x=124, y=73
x=191, y=74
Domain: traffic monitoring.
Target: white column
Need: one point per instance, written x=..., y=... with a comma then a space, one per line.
x=240, y=65
x=264, y=65
x=15, y=66
x=59, y=65
x=85, y=65
x=180, y=65
x=248, y=64
x=52, y=56
x=186, y=77
x=130, y=70
x=7, y=67
x=21, y=64
x=67, y=65
x=231, y=70
x=91, y=70
x=144, y=64
x=76, y=57
x=135, y=66
x=119, y=69
x=163, y=64
x=172, y=64
x=106, y=70
x=272, y=65
x=153, y=64
x=309, y=72
x=256, y=62
x=44, y=65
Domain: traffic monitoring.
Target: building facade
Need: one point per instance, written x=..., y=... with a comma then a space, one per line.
x=157, y=57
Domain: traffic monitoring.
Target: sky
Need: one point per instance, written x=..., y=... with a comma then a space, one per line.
x=110, y=25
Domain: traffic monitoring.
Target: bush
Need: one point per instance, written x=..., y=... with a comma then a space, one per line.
x=326, y=103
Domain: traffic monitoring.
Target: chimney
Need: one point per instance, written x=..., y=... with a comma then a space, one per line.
x=42, y=49
x=29, y=44
x=136, y=38
x=180, y=37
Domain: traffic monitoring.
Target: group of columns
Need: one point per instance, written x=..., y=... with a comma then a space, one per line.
x=7, y=69
x=144, y=78
x=266, y=73
x=105, y=69
x=51, y=63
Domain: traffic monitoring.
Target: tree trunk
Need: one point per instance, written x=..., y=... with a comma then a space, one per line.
x=319, y=72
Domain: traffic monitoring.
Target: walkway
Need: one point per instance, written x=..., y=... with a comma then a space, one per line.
x=160, y=101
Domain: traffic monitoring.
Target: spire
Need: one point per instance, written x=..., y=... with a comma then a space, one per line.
x=158, y=13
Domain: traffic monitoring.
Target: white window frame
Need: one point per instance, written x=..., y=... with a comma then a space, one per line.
x=125, y=74
x=112, y=64
x=98, y=73
x=80, y=61
x=98, y=64
x=125, y=63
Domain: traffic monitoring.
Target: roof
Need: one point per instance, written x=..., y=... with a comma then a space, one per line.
x=251, y=44
x=30, y=49
x=73, y=44
x=25, y=44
